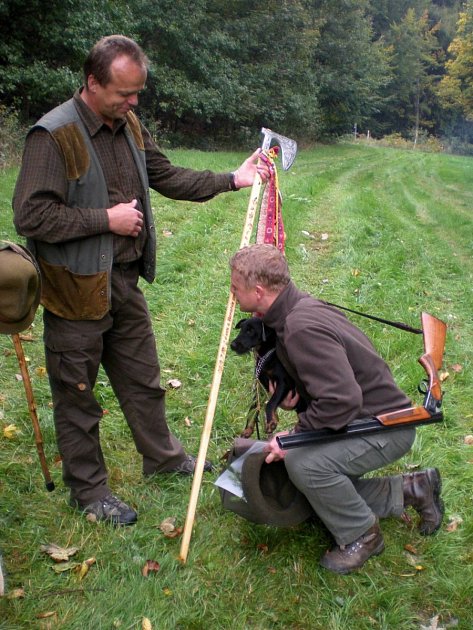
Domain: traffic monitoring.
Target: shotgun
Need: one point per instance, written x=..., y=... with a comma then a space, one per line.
x=434, y=333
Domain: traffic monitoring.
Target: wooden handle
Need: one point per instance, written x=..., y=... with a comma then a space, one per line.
x=217, y=377
x=32, y=410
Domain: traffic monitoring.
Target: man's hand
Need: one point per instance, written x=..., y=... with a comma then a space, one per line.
x=289, y=402
x=125, y=219
x=275, y=454
x=245, y=174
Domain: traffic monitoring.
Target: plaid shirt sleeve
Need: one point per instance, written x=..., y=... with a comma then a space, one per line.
x=39, y=200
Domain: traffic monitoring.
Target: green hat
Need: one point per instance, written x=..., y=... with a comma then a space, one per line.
x=270, y=497
x=20, y=288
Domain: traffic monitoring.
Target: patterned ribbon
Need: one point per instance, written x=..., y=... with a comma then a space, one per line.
x=270, y=225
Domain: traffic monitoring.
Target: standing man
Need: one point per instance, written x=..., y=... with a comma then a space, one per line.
x=82, y=201
x=341, y=377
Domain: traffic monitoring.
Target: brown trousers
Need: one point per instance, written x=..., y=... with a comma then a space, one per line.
x=123, y=342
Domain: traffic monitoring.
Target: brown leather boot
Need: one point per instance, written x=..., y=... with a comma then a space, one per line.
x=422, y=492
x=348, y=558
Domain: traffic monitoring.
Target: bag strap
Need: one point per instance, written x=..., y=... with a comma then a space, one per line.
x=416, y=331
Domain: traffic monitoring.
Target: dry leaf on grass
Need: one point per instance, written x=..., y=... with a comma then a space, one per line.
x=16, y=593
x=59, y=554
x=146, y=624
x=46, y=615
x=443, y=376
x=453, y=523
x=151, y=566
x=169, y=529
x=187, y=421
x=456, y=367
x=11, y=431
x=84, y=567
x=174, y=383
x=468, y=439
x=434, y=624
x=62, y=567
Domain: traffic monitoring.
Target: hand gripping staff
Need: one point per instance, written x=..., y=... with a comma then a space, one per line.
x=288, y=153
x=434, y=333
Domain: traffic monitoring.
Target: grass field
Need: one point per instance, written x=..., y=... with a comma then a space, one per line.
x=385, y=231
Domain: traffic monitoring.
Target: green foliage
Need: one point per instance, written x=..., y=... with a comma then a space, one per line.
x=456, y=87
x=384, y=231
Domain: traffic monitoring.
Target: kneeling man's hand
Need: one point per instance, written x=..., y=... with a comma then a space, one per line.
x=275, y=453
x=290, y=401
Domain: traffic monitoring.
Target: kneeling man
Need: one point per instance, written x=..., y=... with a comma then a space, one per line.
x=341, y=377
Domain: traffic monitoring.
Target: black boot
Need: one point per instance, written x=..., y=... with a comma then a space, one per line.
x=422, y=492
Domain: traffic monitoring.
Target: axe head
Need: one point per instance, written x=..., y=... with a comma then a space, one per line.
x=287, y=145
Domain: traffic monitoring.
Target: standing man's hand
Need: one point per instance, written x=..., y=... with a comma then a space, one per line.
x=275, y=453
x=125, y=219
x=245, y=174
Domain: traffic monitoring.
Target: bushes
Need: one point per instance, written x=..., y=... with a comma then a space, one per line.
x=12, y=136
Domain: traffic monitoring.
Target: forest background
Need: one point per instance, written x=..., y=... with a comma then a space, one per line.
x=311, y=69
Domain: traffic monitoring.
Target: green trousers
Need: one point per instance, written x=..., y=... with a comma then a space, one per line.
x=330, y=475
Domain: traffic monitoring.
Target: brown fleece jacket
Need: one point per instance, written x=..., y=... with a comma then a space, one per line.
x=335, y=366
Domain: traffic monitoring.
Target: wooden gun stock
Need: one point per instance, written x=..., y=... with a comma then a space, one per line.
x=434, y=334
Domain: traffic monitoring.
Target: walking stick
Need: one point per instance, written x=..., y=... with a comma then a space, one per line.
x=32, y=409
x=289, y=148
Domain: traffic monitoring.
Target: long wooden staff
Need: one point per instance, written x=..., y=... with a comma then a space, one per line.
x=217, y=377
x=32, y=409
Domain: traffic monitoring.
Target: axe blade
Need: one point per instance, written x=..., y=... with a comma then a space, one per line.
x=287, y=145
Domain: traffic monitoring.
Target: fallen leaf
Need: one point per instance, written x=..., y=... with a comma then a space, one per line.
x=169, y=529
x=453, y=523
x=174, y=383
x=62, y=567
x=434, y=624
x=11, y=431
x=410, y=549
x=355, y=272
x=41, y=371
x=443, y=376
x=59, y=554
x=146, y=624
x=84, y=567
x=151, y=566
x=191, y=322
x=167, y=592
x=187, y=422
x=457, y=367
x=324, y=237
x=16, y=593
x=18, y=377
x=105, y=412
x=92, y=518
x=45, y=615
x=272, y=570
x=468, y=439
x=263, y=548
x=167, y=233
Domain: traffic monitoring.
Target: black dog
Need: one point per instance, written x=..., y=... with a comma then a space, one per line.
x=254, y=335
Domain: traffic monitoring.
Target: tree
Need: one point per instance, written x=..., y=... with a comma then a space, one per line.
x=414, y=66
x=43, y=46
x=456, y=87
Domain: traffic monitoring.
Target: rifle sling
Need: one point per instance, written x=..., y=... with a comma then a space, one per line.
x=416, y=331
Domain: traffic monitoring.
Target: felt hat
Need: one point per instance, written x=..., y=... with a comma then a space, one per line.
x=20, y=288
x=270, y=496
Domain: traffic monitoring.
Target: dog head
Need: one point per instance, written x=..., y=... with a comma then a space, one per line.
x=253, y=333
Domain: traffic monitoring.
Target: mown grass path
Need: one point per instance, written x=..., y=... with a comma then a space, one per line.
x=384, y=231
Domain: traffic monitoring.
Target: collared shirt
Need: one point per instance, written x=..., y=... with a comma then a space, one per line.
x=41, y=211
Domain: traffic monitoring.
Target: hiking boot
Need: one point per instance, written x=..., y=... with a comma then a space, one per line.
x=187, y=466
x=109, y=509
x=348, y=558
x=422, y=492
